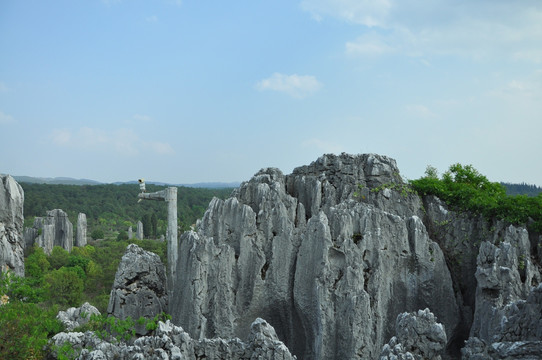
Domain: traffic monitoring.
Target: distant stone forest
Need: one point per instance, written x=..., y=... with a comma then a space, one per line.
x=342, y=259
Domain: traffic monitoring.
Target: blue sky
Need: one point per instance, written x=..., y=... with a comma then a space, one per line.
x=196, y=91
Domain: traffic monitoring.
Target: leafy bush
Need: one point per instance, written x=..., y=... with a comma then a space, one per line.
x=25, y=329
x=123, y=235
x=465, y=189
x=97, y=234
x=64, y=287
x=59, y=257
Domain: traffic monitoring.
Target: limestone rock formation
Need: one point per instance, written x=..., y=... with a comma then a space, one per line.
x=139, y=231
x=75, y=317
x=81, y=235
x=55, y=229
x=507, y=324
x=11, y=225
x=329, y=255
x=172, y=342
x=130, y=233
x=139, y=289
x=419, y=337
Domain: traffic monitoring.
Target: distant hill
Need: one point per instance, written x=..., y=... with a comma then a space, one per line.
x=72, y=181
x=55, y=181
x=522, y=189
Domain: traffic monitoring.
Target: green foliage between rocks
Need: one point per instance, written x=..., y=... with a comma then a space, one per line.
x=465, y=189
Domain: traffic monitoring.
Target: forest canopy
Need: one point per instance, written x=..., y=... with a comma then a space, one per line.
x=115, y=207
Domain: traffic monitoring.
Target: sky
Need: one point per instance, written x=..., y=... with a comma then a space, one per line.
x=194, y=91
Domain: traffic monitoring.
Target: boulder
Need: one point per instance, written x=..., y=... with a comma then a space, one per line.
x=75, y=317
x=419, y=336
x=139, y=289
x=11, y=225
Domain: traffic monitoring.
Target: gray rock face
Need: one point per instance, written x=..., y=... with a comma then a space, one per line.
x=11, y=225
x=504, y=275
x=419, y=337
x=171, y=342
x=139, y=289
x=75, y=317
x=511, y=330
x=55, y=229
x=139, y=231
x=81, y=235
x=130, y=233
x=329, y=255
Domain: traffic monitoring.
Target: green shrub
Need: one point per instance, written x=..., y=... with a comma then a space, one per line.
x=97, y=234
x=59, y=257
x=463, y=188
x=25, y=329
x=64, y=287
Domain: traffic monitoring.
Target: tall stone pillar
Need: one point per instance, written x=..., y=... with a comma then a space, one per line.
x=139, y=231
x=81, y=234
x=170, y=196
x=171, y=235
x=130, y=233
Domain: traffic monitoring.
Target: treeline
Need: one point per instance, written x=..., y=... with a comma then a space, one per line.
x=522, y=189
x=115, y=207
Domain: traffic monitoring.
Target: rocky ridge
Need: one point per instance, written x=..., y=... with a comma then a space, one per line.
x=172, y=342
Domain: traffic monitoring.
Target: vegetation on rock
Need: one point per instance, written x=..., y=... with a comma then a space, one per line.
x=465, y=189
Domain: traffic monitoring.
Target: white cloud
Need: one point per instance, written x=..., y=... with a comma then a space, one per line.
x=124, y=142
x=520, y=89
x=365, y=12
x=6, y=119
x=370, y=44
x=61, y=137
x=474, y=29
x=298, y=86
x=152, y=19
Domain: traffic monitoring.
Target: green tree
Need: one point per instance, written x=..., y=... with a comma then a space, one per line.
x=97, y=234
x=59, y=257
x=123, y=235
x=36, y=264
x=25, y=329
x=64, y=287
x=154, y=224
x=147, y=225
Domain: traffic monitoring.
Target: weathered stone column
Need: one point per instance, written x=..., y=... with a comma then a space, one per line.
x=170, y=196
x=81, y=234
x=139, y=231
